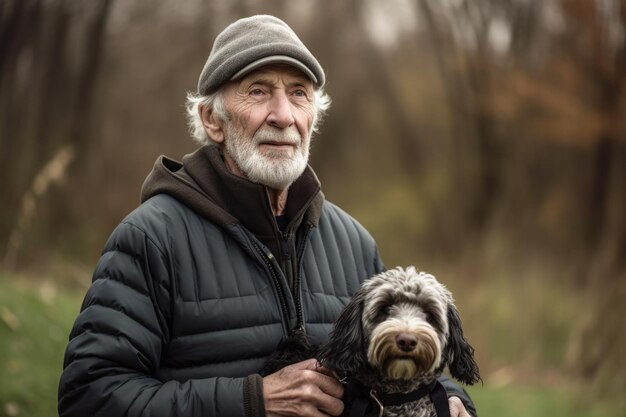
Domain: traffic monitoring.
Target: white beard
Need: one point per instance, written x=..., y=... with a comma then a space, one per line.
x=275, y=169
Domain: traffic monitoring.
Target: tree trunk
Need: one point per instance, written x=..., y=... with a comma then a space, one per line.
x=46, y=100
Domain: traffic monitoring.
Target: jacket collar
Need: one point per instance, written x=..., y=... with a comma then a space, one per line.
x=247, y=201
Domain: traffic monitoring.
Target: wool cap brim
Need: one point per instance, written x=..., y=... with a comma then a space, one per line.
x=252, y=43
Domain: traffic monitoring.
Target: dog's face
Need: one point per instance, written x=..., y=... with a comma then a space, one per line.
x=405, y=321
x=403, y=326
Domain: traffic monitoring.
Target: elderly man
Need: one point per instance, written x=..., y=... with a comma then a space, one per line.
x=230, y=251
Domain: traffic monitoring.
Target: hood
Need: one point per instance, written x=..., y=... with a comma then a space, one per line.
x=203, y=183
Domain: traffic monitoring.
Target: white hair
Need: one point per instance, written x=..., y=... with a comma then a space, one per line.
x=215, y=101
x=193, y=105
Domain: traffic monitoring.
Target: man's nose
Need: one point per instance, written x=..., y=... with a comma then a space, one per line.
x=281, y=115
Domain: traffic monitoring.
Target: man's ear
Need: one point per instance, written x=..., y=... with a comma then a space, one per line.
x=213, y=125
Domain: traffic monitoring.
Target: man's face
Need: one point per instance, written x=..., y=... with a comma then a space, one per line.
x=268, y=134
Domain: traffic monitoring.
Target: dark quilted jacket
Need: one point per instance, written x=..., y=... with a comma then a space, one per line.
x=187, y=302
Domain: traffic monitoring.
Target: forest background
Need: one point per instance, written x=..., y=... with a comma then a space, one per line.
x=481, y=140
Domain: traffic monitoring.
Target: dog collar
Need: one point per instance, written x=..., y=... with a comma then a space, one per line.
x=362, y=406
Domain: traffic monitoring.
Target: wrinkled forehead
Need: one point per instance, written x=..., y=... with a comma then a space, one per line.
x=275, y=73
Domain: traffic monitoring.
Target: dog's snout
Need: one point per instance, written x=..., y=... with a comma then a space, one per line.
x=406, y=342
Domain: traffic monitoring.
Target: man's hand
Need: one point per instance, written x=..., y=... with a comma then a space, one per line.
x=303, y=389
x=457, y=409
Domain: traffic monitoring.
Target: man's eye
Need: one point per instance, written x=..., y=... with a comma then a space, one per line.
x=256, y=92
x=299, y=93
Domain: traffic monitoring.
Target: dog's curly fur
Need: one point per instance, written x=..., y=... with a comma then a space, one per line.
x=397, y=333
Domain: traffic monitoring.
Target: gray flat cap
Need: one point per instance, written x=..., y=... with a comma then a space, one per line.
x=251, y=43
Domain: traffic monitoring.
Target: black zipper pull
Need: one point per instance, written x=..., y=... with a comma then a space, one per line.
x=299, y=330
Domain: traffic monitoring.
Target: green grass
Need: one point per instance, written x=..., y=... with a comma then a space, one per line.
x=531, y=401
x=34, y=325
x=35, y=320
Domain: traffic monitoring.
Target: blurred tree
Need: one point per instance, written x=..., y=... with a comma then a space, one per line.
x=462, y=45
x=598, y=31
x=599, y=49
x=48, y=67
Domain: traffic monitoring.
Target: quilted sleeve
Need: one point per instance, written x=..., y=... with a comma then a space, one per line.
x=117, y=340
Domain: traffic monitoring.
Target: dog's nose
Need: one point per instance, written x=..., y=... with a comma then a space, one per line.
x=406, y=342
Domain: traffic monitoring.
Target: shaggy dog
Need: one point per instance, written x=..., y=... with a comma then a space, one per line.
x=395, y=337
x=391, y=342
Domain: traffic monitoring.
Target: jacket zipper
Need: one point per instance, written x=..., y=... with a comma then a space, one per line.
x=296, y=282
x=267, y=260
x=267, y=257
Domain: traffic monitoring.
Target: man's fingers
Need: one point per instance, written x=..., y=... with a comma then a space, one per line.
x=331, y=405
x=311, y=364
x=326, y=371
x=314, y=365
x=457, y=409
x=304, y=389
x=323, y=377
x=329, y=385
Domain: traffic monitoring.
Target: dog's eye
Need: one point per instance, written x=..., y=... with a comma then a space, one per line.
x=386, y=309
x=429, y=317
x=382, y=312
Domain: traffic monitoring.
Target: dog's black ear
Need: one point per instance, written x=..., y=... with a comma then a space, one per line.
x=459, y=354
x=347, y=347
